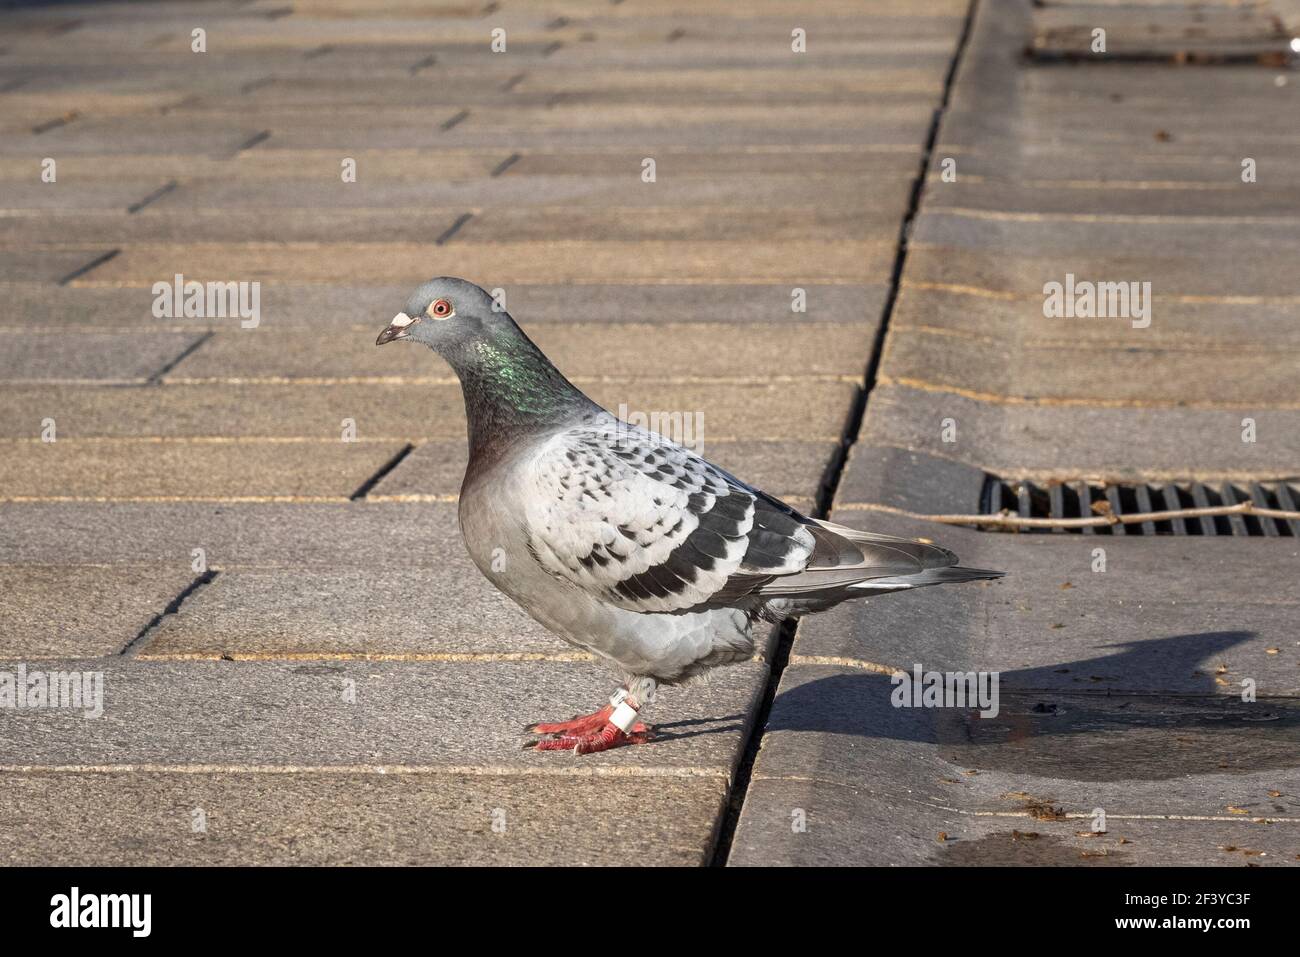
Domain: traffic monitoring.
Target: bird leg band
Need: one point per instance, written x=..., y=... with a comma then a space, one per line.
x=625, y=710
x=623, y=717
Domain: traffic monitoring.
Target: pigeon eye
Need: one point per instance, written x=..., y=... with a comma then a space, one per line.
x=440, y=309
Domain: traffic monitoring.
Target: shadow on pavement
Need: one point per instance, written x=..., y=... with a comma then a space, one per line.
x=1050, y=724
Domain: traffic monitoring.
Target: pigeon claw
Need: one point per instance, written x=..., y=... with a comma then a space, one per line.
x=605, y=739
x=581, y=724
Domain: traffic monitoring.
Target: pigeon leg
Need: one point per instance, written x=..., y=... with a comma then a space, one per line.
x=603, y=740
x=581, y=724
x=613, y=726
x=578, y=724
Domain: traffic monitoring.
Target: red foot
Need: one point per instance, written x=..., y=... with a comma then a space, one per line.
x=582, y=724
x=603, y=740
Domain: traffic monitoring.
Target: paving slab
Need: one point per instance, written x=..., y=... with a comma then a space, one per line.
x=1073, y=441
x=851, y=826
x=1002, y=272
x=1083, y=228
x=372, y=165
x=1188, y=777
x=46, y=265
x=1172, y=121
x=1151, y=754
x=1268, y=202
x=899, y=136
x=341, y=819
x=154, y=225
x=658, y=303
x=970, y=123
x=793, y=471
x=897, y=477
x=774, y=190
x=627, y=351
x=805, y=261
x=759, y=410
x=722, y=85
x=25, y=106
x=114, y=138
x=941, y=15
x=448, y=716
x=80, y=611
x=365, y=224
x=1182, y=324
x=851, y=54
x=72, y=469
x=882, y=168
x=67, y=194
x=35, y=355
x=1040, y=169
x=879, y=221
x=345, y=534
x=1184, y=615
x=420, y=613
x=1137, y=80
x=356, y=305
x=1134, y=372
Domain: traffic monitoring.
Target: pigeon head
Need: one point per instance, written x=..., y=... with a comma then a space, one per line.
x=446, y=313
x=509, y=385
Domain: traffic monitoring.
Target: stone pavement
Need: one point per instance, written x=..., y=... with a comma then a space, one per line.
x=1121, y=690
x=334, y=683
x=335, y=567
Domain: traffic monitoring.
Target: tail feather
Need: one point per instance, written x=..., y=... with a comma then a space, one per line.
x=872, y=548
x=848, y=561
x=932, y=576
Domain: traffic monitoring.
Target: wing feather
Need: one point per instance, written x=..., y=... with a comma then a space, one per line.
x=646, y=525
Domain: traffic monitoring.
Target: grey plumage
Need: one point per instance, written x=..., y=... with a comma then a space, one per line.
x=619, y=540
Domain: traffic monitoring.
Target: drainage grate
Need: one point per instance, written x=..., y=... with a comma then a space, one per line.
x=1083, y=499
x=1068, y=32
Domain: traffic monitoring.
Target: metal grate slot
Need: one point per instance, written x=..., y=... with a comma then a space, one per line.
x=1084, y=499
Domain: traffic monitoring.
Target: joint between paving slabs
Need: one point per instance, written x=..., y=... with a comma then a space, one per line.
x=453, y=229
x=93, y=264
x=505, y=164
x=368, y=485
x=429, y=61
x=252, y=141
x=156, y=195
x=455, y=120
x=55, y=123
x=134, y=646
x=157, y=377
x=254, y=85
x=788, y=630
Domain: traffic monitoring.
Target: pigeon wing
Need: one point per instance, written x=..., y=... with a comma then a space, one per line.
x=647, y=525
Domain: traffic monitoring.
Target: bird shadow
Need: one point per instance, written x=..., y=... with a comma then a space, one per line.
x=1065, y=720
x=671, y=731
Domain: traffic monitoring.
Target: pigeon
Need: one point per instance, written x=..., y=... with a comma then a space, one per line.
x=622, y=542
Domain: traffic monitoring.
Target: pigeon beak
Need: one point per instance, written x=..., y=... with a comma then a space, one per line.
x=397, y=329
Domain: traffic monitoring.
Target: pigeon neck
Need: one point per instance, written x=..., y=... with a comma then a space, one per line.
x=511, y=389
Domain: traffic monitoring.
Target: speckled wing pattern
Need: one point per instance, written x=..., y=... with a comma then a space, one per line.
x=649, y=526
